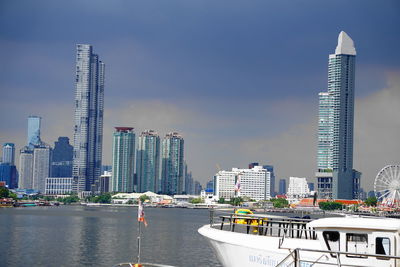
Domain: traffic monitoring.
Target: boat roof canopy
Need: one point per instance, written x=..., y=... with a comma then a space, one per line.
x=372, y=223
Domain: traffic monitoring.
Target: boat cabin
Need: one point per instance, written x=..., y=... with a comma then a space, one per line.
x=360, y=235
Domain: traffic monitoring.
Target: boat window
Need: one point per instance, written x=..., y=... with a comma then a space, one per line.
x=382, y=246
x=357, y=243
x=332, y=240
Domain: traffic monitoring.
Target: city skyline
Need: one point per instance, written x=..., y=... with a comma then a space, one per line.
x=239, y=83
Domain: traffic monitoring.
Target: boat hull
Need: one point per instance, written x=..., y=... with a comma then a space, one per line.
x=235, y=249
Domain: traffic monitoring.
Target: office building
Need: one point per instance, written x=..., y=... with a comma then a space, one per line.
x=25, y=168
x=61, y=163
x=123, y=159
x=254, y=183
x=282, y=186
x=8, y=155
x=189, y=186
x=270, y=169
x=197, y=188
x=41, y=167
x=335, y=173
x=210, y=185
x=172, y=171
x=105, y=182
x=8, y=171
x=311, y=186
x=58, y=185
x=148, y=162
x=88, y=128
x=8, y=174
x=33, y=131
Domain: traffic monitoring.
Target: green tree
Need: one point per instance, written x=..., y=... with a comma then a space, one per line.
x=48, y=198
x=73, y=198
x=236, y=201
x=104, y=198
x=4, y=192
x=143, y=198
x=371, y=201
x=196, y=200
x=280, y=203
x=221, y=200
x=330, y=205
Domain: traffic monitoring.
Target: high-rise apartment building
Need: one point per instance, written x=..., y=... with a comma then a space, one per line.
x=33, y=131
x=148, y=162
x=336, y=123
x=88, y=129
x=41, y=167
x=172, y=171
x=61, y=162
x=123, y=159
x=8, y=155
x=269, y=168
x=25, y=168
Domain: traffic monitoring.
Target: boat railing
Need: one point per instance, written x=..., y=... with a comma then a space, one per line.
x=261, y=224
x=144, y=264
x=294, y=258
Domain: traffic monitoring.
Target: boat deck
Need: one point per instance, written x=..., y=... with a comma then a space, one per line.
x=264, y=225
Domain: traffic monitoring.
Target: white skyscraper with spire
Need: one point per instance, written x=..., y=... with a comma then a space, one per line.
x=336, y=177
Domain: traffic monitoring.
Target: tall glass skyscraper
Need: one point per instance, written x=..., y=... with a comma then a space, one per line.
x=88, y=129
x=172, y=171
x=123, y=159
x=336, y=123
x=148, y=162
x=33, y=131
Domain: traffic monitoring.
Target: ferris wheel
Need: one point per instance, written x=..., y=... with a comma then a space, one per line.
x=387, y=185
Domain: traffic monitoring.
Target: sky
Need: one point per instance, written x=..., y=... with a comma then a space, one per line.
x=238, y=79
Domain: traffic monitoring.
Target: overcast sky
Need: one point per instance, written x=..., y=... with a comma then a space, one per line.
x=238, y=79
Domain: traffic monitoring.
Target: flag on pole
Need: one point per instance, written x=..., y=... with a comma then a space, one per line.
x=237, y=185
x=140, y=214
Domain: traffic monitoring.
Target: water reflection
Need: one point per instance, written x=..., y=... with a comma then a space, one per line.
x=101, y=236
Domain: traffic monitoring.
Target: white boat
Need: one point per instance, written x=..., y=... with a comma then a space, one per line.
x=262, y=240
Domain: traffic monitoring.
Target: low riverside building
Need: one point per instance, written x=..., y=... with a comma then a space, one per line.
x=58, y=185
x=298, y=189
x=253, y=183
x=124, y=198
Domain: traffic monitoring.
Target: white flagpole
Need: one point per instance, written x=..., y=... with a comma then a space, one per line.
x=138, y=238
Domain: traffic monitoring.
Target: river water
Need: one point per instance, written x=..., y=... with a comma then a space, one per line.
x=102, y=236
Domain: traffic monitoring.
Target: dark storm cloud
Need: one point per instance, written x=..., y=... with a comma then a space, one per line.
x=204, y=48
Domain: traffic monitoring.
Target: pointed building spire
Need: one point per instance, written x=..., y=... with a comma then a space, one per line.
x=345, y=45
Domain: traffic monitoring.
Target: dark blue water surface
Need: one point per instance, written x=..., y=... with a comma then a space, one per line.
x=101, y=236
